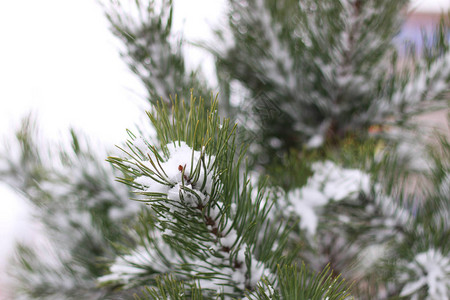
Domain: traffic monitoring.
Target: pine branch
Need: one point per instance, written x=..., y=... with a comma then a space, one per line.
x=168, y=288
x=151, y=48
x=81, y=211
x=316, y=72
x=299, y=283
x=204, y=207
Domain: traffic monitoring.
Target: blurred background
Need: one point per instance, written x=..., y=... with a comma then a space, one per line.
x=60, y=63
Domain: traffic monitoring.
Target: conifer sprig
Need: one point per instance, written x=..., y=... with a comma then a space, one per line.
x=80, y=211
x=209, y=226
x=315, y=72
x=151, y=49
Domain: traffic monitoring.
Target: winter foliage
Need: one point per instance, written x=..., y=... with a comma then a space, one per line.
x=328, y=183
x=318, y=71
x=273, y=189
x=150, y=50
x=429, y=270
x=78, y=204
x=184, y=189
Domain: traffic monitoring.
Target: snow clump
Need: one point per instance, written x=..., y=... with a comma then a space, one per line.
x=185, y=176
x=328, y=183
x=430, y=270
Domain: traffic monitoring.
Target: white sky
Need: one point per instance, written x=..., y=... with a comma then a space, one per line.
x=59, y=61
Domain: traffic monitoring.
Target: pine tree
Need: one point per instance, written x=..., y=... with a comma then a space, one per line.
x=319, y=75
x=206, y=233
x=314, y=72
x=207, y=223
x=192, y=217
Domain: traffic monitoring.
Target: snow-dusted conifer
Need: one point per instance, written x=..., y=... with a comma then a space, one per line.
x=207, y=225
x=151, y=49
x=427, y=276
x=316, y=71
x=78, y=212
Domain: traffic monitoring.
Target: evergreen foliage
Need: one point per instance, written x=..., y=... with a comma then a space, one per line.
x=182, y=213
x=80, y=208
x=151, y=50
x=209, y=225
x=316, y=71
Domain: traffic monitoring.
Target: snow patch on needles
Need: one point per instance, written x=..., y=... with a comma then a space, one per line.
x=183, y=177
x=430, y=270
x=304, y=202
x=143, y=260
x=329, y=183
x=337, y=183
